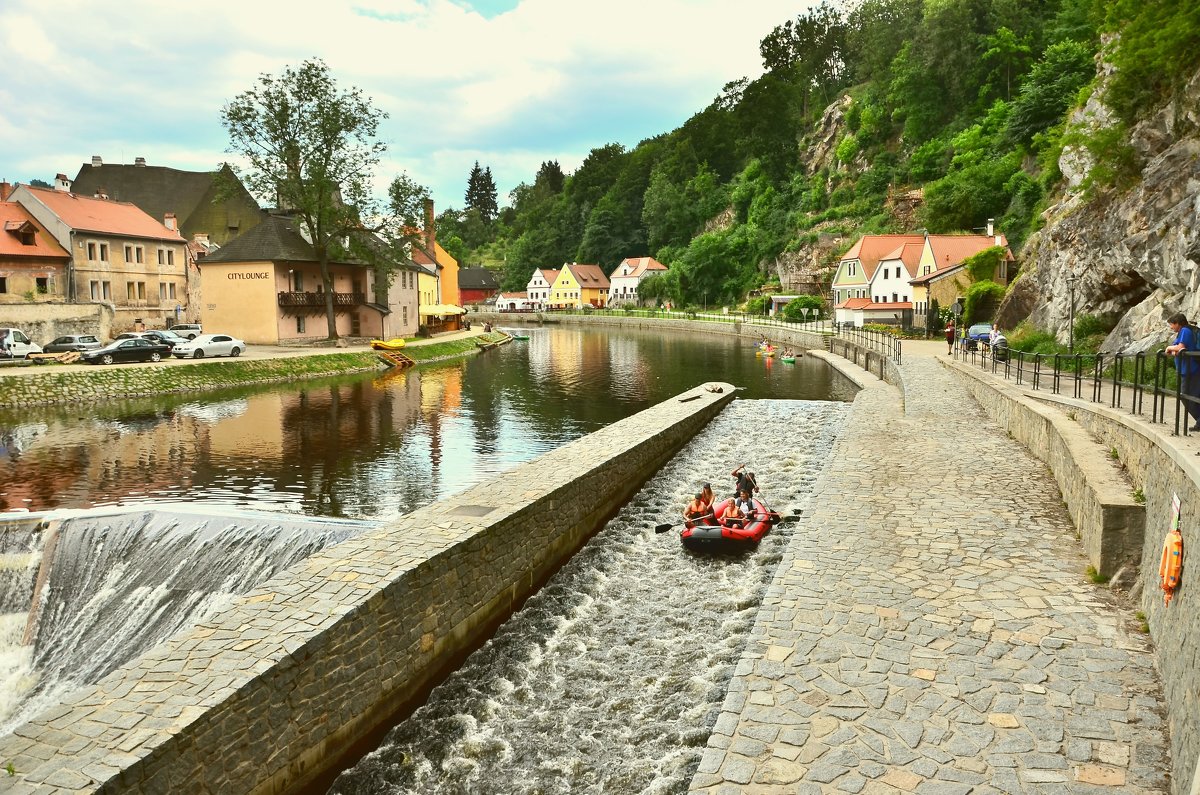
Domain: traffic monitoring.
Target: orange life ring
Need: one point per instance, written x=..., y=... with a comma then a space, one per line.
x=1170, y=569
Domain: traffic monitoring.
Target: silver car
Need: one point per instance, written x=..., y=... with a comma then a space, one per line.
x=74, y=342
x=209, y=345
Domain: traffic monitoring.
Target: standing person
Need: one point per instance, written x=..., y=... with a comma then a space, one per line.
x=706, y=494
x=3, y=343
x=1188, y=367
x=745, y=480
x=950, y=332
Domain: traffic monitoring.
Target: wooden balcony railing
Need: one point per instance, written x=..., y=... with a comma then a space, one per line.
x=318, y=299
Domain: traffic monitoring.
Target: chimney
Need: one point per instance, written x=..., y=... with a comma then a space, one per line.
x=96, y=161
x=62, y=183
x=5, y=190
x=991, y=226
x=169, y=222
x=201, y=238
x=140, y=162
x=430, y=231
x=101, y=193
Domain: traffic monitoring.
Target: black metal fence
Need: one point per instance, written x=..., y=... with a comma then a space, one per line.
x=1116, y=380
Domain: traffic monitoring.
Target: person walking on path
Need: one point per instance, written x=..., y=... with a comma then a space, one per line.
x=1187, y=366
x=950, y=337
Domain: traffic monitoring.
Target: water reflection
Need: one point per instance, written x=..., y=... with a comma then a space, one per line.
x=372, y=445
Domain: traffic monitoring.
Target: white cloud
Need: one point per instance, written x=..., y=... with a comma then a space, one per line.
x=548, y=79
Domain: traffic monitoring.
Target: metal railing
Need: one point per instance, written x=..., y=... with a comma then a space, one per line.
x=816, y=326
x=1117, y=380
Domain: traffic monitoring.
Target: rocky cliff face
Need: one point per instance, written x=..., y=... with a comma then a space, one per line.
x=1132, y=255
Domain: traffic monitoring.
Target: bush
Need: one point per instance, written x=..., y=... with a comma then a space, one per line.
x=982, y=266
x=981, y=302
x=1091, y=326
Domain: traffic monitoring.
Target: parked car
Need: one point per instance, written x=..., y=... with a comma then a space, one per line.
x=168, y=338
x=74, y=342
x=189, y=331
x=127, y=350
x=17, y=344
x=209, y=345
x=977, y=333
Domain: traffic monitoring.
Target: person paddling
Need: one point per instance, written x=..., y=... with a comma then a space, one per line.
x=697, y=508
x=745, y=480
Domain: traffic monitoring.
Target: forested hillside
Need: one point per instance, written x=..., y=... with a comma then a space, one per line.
x=861, y=104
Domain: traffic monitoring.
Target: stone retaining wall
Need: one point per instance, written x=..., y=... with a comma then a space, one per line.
x=44, y=321
x=265, y=696
x=53, y=385
x=1076, y=439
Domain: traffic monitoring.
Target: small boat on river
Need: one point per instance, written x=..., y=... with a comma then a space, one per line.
x=714, y=534
x=388, y=345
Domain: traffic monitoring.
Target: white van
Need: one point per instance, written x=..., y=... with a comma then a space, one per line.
x=15, y=344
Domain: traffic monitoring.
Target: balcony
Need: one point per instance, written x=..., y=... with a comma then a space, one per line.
x=315, y=302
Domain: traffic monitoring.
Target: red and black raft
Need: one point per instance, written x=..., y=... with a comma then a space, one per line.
x=714, y=534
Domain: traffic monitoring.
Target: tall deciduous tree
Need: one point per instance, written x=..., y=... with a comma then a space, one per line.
x=313, y=147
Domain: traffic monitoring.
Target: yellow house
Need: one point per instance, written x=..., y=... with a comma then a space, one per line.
x=578, y=285
x=940, y=275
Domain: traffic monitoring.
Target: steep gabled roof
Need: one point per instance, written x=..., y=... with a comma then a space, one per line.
x=477, y=279
x=16, y=220
x=590, y=277
x=276, y=238
x=637, y=267
x=548, y=274
x=103, y=216
x=951, y=250
x=869, y=249
x=156, y=189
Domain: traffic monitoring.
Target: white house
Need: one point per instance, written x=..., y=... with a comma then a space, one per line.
x=538, y=288
x=517, y=302
x=625, y=279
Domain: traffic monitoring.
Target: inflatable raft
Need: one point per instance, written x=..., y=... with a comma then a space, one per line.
x=713, y=534
x=390, y=345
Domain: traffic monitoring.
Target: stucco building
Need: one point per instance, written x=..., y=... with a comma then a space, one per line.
x=33, y=265
x=266, y=287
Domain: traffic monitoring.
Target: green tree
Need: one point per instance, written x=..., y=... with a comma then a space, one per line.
x=481, y=193
x=1050, y=89
x=1008, y=54
x=312, y=147
x=794, y=310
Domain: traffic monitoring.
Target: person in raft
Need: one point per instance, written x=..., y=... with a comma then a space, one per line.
x=732, y=516
x=745, y=504
x=707, y=494
x=697, y=508
x=745, y=480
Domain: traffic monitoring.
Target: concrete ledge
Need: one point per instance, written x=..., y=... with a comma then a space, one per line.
x=267, y=695
x=1111, y=523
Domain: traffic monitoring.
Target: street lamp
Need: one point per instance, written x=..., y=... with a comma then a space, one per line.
x=1072, y=280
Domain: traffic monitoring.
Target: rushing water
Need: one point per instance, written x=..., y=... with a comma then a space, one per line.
x=611, y=677
x=372, y=446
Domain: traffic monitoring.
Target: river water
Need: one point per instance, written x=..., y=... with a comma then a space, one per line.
x=372, y=446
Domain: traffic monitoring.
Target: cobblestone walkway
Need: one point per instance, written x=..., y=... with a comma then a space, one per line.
x=933, y=632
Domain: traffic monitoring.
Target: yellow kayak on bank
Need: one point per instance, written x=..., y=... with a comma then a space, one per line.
x=391, y=345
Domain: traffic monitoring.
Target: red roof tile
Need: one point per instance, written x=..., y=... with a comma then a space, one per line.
x=637, y=266
x=590, y=277
x=909, y=254
x=853, y=303
x=102, y=215
x=16, y=218
x=871, y=248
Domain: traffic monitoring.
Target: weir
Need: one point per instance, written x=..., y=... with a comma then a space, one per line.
x=83, y=592
x=267, y=694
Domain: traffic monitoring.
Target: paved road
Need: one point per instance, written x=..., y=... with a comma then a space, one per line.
x=934, y=633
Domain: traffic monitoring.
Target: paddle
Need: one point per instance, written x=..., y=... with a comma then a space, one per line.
x=662, y=528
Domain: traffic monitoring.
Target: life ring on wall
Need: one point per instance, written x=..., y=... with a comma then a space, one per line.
x=1170, y=569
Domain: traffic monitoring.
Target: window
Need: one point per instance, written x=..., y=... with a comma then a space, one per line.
x=3, y=284
x=135, y=290
x=106, y=289
x=162, y=291
x=171, y=257
x=850, y=269
x=43, y=285
x=404, y=315
x=162, y=257
x=104, y=252
x=171, y=291
x=299, y=324
x=298, y=282
x=91, y=249
x=141, y=290
x=128, y=253
x=139, y=253
x=95, y=288
x=130, y=291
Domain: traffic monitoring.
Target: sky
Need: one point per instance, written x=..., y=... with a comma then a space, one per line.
x=510, y=83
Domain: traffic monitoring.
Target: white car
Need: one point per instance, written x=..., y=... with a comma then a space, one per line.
x=208, y=345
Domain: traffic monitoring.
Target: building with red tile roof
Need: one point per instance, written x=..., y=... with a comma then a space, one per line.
x=32, y=263
x=852, y=279
x=626, y=277
x=578, y=285
x=119, y=255
x=538, y=288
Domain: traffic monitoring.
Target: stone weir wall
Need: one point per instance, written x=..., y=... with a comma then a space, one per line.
x=1101, y=457
x=266, y=696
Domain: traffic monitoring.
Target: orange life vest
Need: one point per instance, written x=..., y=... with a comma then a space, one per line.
x=1171, y=568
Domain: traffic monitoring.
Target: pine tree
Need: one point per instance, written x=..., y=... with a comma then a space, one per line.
x=481, y=193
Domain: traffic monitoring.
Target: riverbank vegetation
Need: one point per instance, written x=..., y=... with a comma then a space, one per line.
x=861, y=107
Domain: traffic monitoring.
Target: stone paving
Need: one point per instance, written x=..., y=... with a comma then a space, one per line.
x=931, y=630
